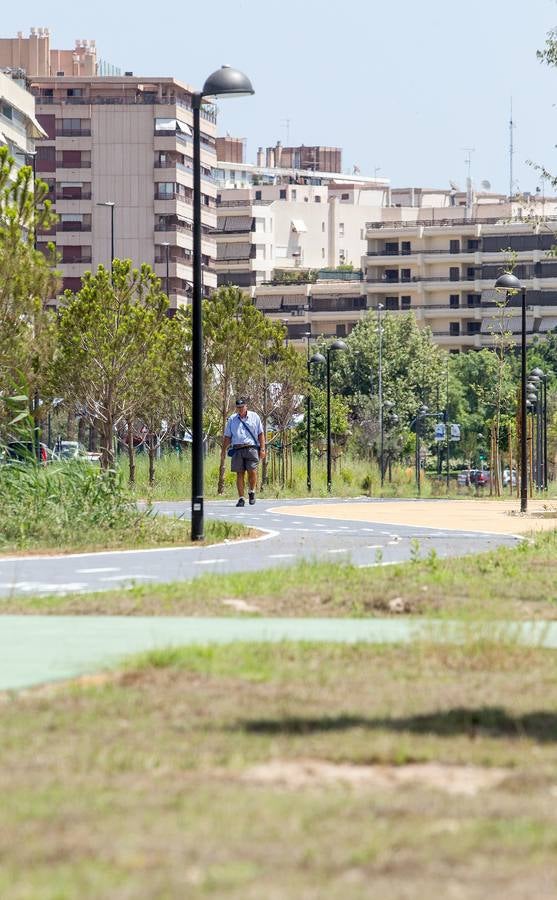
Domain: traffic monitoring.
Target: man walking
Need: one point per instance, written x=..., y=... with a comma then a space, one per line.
x=244, y=433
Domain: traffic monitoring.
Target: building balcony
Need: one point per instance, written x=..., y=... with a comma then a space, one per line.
x=73, y=132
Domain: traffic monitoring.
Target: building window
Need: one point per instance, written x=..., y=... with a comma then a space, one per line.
x=454, y=247
x=406, y=302
x=473, y=244
x=293, y=194
x=473, y=327
x=282, y=194
x=318, y=199
x=260, y=224
x=322, y=226
x=391, y=303
x=391, y=248
x=454, y=328
x=7, y=111
x=406, y=275
x=258, y=195
x=341, y=229
x=406, y=248
x=474, y=300
x=345, y=196
x=454, y=273
x=260, y=251
x=341, y=257
x=454, y=301
x=322, y=252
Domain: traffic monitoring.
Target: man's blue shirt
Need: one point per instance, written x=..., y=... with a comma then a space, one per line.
x=238, y=433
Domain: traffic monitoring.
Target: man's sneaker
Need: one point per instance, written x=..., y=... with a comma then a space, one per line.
x=241, y=502
x=251, y=496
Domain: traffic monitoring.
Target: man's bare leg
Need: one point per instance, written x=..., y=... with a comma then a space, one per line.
x=240, y=483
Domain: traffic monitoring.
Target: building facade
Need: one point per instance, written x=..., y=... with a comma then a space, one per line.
x=271, y=219
x=19, y=127
x=443, y=267
x=124, y=142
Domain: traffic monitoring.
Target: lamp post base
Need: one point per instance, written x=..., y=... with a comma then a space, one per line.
x=197, y=519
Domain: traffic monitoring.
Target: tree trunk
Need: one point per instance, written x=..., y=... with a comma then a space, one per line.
x=107, y=449
x=131, y=452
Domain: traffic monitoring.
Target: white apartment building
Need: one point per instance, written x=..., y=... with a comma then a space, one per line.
x=271, y=219
x=441, y=262
x=19, y=128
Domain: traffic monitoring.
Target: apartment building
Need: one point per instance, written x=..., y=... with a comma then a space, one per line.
x=272, y=219
x=19, y=128
x=124, y=142
x=441, y=263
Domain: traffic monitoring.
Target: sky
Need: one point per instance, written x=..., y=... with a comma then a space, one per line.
x=409, y=90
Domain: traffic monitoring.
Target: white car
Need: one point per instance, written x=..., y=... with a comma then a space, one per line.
x=507, y=477
x=75, y=450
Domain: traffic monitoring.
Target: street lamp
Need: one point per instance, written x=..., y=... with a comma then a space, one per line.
x=538, y=373
x=332, y=348
x=380, y=388
x=225, y=82
x=316, y=359
x=509, y=282
x=166, y=245
x=110, y=204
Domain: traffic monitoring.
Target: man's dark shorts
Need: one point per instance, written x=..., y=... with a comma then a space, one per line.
x=244, y=459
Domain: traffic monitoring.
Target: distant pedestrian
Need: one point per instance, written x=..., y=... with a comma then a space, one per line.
x=245, y=437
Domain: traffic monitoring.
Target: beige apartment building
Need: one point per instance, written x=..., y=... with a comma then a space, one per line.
x=124, y=142
x=441, y=263
x=19, y=128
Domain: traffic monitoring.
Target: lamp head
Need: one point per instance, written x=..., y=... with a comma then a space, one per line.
x=317, y=358
x=227, y=82
x=338, y=345
x=537, y=373
x=508, y=282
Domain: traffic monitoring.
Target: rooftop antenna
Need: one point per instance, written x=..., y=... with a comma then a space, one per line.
x=468, y=161
x=286, y=124
x=511, y=152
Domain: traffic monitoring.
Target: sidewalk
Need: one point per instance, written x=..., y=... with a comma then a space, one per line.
x=488, y=516
x=36, y=650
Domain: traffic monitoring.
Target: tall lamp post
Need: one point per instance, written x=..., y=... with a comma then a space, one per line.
x=508, y=282
x=225, y=82
x=316, y=359
x=110, y=204
x=332, y=348
x=380, y=389
x=538, y=373
x=422, y=413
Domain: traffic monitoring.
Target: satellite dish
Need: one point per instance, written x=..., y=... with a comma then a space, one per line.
x=454, y=186
x=486, y=185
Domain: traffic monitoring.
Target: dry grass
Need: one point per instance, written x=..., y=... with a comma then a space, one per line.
x=145, y=784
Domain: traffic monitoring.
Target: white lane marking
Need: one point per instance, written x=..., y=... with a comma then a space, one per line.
x=374, y=546
x=128, y=578
x=40, y=586
x=280, y=555
x=99, y=569
x=338, y=550
x=207, y=562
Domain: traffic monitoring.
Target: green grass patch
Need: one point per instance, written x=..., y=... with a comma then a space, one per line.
x=211, y=772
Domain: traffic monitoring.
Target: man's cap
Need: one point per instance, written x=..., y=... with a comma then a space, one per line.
x=241, y=401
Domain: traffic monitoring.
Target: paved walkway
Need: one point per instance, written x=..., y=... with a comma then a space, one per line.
x=39, y=649
x=331, y=530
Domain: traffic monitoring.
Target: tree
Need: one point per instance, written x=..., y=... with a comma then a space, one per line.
x=27, y=280
x=107, y=332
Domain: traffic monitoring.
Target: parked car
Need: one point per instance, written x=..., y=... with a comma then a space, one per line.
x=66, y=450
x=473, y=478
x=507, y=477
